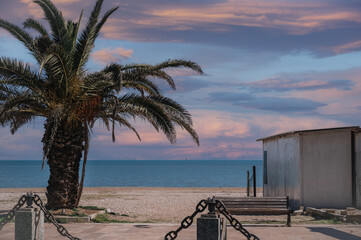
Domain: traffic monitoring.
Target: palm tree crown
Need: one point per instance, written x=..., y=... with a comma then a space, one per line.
x=72, y=99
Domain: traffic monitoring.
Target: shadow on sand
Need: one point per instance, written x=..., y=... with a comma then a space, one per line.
x=337, y=234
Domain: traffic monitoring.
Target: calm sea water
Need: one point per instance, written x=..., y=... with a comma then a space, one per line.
x=135, y=173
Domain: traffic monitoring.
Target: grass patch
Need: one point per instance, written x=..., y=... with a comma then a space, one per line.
x=104, y=218
x=92, y=208
x=75, y=214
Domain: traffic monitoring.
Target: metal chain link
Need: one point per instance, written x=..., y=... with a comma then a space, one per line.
x=29, y=199
x=11, y=214
x=201, y=206
x=48, y=215
x=212, y=204
x=234, y=222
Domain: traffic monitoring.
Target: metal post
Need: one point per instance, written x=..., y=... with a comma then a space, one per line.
x=247, y=183
x=209, y=227
x=254, y=181
x=29, y=224
x=29, y=221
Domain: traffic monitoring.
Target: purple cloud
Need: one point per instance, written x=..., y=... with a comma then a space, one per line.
x=322, y=27
x=290, y=84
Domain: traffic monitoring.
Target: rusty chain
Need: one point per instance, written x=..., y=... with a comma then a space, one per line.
x=29, y=199
x=212, y=205
x=48, y=215
x=234, y=222
x=11, y=214
x=201, y=206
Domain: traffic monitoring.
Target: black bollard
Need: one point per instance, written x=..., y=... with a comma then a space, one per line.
x=209, y=226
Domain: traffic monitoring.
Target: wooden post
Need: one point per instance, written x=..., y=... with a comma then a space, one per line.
x=247, y=183
x=254, y=181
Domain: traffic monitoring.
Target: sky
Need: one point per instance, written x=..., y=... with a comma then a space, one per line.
x=270, y=66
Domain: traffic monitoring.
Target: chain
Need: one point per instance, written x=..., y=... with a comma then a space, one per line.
x=201, y=206
x=11, y=214
x=234, y=222
x=29, y=199
x=48, y=215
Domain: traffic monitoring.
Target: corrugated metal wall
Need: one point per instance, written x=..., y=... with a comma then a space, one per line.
x=313, y=168
x=327, y=168
x=283, y=169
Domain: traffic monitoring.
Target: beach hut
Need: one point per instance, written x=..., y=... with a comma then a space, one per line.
x=318, y=168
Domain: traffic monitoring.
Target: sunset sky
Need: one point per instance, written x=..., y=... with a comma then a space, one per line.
x=270, y=66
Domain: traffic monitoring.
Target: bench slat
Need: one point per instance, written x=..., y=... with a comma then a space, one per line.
x=257, y=211
x=255, y=203
x=255, y=207
x=252, y=200
x=257, y=198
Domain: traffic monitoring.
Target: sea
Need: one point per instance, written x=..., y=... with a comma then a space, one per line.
x=139, y=173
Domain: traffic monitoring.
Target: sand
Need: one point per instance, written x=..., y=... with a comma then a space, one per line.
x=138, y=204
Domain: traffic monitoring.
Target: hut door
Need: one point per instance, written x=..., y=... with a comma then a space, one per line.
x=353, y=159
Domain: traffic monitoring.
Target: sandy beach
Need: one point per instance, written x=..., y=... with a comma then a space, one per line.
x=153, y=205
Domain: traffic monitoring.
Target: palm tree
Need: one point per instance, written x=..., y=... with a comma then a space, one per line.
x=71, y=100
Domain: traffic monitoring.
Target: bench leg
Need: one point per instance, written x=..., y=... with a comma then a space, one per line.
x=289, y=219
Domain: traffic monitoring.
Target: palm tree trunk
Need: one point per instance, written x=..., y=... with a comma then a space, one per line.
x=64, y=159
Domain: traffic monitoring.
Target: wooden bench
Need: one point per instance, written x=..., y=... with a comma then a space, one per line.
x=257, y=206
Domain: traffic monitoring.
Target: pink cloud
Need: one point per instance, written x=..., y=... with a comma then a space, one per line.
x=222, y=135
x=295, y=17
x=33, y=9
x=24, y=144
x=347, y=47
x=108, y=55
x=346, y=96
x=339, y=108
x=69, y=8
x=208, y=124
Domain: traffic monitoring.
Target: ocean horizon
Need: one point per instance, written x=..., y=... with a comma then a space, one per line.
x=138, y=173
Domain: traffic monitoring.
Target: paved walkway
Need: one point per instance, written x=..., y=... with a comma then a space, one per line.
x=157, y=231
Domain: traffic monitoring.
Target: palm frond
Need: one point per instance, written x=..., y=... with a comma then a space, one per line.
x=105, y=18
x=87, y=38
x=36, y=25
x=158, y=70
x=19, y=74
x=17, y=32
x=22, y=101
x=123, y=122
x=147, y=108
x=16, y=119
x=177, y=63
x=173, y=108
x=55, y=20
x=134, y=80
x=74, y=35
x=178, y=114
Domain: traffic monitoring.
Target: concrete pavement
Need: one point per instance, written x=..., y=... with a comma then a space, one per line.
x=157, y=231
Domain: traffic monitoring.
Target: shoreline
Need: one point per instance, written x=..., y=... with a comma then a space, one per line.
x=92, y=189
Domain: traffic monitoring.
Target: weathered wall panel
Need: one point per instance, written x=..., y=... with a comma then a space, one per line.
x=327, y=169
x=283, y=169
